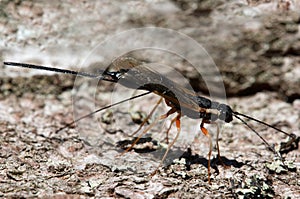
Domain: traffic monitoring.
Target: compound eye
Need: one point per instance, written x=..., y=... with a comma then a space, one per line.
x=225, y=113
x=228, y=118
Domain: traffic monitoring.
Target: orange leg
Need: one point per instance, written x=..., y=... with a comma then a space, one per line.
x=171, y=111
x=177, y=119
x=169, y=128
x=206, y=133
x=217, y=144
x=147, y=118
x=140, y=136
x=218, y=148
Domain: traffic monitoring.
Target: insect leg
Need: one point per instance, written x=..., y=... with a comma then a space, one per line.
x=140, y=136
x=171, y=111
x=177, y=120
x=147, y=118
x=206, y=133
x=217, y=143
x=168, y=130
x=218, y=148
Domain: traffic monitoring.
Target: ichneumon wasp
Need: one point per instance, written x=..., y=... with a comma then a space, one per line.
x=181, y=101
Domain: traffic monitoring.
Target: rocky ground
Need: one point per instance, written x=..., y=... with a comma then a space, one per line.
x=254, y=44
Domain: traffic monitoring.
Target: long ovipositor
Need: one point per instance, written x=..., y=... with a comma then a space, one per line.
x=143, y=78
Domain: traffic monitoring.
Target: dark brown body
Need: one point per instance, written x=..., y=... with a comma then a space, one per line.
x=185, y=101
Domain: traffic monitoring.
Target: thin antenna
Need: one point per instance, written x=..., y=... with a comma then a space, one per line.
x=253, y=130
x=59, y=70
x=261, y=122
x=101, y=109
x=244, y=122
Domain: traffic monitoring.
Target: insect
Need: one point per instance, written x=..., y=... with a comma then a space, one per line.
x=180, y=100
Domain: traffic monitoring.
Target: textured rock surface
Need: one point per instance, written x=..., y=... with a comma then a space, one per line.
x=255, y=45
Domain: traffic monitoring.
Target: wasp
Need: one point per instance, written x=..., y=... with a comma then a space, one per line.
x=180, y=100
